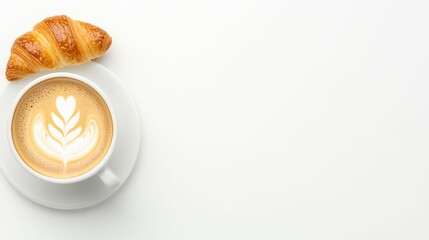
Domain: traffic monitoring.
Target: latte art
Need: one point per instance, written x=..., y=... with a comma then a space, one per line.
x=64, y=139
x=62, y=128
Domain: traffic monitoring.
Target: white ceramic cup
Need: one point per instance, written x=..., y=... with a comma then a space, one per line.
x=102, y=170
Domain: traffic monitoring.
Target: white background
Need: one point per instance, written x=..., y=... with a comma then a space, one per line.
x=261, y=120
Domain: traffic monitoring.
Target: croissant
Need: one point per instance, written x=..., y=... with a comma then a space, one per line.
x=56, y=42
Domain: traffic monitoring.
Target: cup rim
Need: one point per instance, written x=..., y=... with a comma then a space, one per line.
x=102, y=163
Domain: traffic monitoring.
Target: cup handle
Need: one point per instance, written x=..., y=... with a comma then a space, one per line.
x=109, y=178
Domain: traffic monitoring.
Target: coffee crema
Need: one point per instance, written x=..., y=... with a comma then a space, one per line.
x=62, y=128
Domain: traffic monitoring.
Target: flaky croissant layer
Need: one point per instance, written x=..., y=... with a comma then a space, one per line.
x=56, y=42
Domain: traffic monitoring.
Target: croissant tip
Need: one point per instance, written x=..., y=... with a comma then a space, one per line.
x=11, y=78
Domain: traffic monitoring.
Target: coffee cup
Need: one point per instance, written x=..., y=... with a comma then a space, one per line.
x=62, y=129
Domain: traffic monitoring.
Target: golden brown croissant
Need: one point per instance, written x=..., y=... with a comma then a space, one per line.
x=56, y=42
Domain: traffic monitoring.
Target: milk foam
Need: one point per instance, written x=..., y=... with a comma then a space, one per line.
x=64, y=139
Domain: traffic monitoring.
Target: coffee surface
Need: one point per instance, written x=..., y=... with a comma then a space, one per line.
x=62, y=128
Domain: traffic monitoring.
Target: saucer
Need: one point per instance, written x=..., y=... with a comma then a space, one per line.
x=91, y=191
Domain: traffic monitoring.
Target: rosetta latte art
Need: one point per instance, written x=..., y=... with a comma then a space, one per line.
x=64, y=139
x=62, y=128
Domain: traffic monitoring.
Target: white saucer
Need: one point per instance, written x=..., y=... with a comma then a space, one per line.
x=91, y=191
